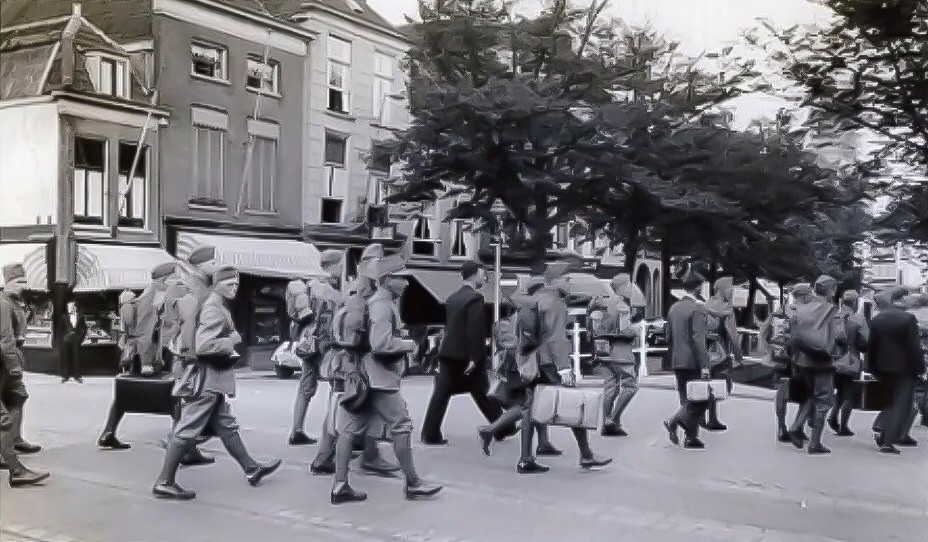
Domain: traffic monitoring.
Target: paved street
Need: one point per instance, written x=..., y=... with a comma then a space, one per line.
x=744, y=487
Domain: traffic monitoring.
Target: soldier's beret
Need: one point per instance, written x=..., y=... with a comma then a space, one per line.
x=331, y=257
x=165, y=269
x=201, y=255
x=13, y=272
x=225, y=272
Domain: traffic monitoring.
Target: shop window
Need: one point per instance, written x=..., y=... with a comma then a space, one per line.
x=108, y=74
x=89, y=180
x=262, y=76
x=263, y=182
x=266, y=324
x=208, y=61
x=331, y=211
x=339, y=68
x=133, y=206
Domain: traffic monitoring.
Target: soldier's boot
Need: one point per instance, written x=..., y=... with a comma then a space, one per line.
x=254, y=471
x=588, y=459
x=818, y=428
x=342, y=492
x=298, y=436
x=527, y=463
x=20, y=475
x=196, y=457
x=373, y=461
x=844, y=419
x=796, y=433
x=416, y=487
x=545, y=447
x=324, y=462
x=711, y=422
x=19, y=443
x=166, y=486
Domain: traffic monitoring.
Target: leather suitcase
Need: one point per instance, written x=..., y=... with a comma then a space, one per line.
x=568, y=407
x=872, y=395
x=135, y=394
x=703, y=390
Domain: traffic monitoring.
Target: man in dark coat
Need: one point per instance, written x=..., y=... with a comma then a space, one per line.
x=74, y=327
x=895, y=357
x=686, y=331
x=462, y=356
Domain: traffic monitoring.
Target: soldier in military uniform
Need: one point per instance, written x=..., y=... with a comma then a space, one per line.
x=382, y=364
x=724, y=344
x=315, y=339
x=619, y=359
x=149, y=317
x=13, y=393
x=207, y=387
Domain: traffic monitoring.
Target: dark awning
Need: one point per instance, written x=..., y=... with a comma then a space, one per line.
x=442, y=283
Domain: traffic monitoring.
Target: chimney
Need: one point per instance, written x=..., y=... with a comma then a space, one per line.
x=67, y=46
x=76, y=10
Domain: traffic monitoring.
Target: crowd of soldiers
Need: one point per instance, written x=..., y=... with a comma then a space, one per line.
x=353, y=338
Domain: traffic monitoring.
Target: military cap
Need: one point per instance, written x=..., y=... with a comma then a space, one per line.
x=826, y=280
x=331, y=257
x=13, y=272
x=224, y=272
x=162, y=270
x=692, y=279
x=380, y=268
x=724, y=282
x=469, y=269
x=802, y=290
x=201, y=255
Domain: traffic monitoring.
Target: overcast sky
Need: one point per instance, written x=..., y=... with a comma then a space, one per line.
x=696, y=24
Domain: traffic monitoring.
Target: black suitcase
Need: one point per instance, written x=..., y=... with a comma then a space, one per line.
x=872, y=395
x=135, y=394
x=797, y=391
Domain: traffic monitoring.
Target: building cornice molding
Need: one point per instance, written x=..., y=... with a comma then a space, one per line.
x=401, y=43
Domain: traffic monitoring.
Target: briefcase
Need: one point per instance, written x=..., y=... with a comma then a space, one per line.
x=704, y=390
x=796, y=391
x=145, y=395
x=872, y=395
x=568, y=407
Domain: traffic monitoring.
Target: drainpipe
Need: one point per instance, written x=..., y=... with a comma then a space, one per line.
x=67, y=45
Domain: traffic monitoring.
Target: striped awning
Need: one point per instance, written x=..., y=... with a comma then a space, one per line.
x=116, y=267
x=270, y=258
x=32, y=257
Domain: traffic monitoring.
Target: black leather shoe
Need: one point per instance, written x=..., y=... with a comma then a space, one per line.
x=195, y=458
x=818, y=449
x=845, y=432
x=714, y=425
x=548, y=450
x=693, y=444
x=594, y=461
x=301, y=439
x=173, y=491
x=530, y=467
x=435, y=441
x=890, y=449
x=878, y=438
x=345, y=494
x=907, y=441
x=26, y=448
x=421, y=490
x=79, y=379
x=24, y=477
x=783, y=436
x=834, y=425
x=508, y=434
x=109, y=441
x=798, y=438
x=612, y=430
x=672, y=432
x=323, y=470
x=254, y=477
x=486, y=441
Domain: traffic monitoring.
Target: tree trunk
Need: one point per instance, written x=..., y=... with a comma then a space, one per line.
x=782, y=298
x=713, y=272
x=748, y=317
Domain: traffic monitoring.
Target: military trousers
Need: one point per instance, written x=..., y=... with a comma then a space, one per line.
x=202, y=417
x=619, y=387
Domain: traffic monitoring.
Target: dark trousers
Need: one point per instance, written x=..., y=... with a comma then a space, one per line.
x=549, y=376
x=69, y=362
x=844, y=399
x=689, y=412
x=893, y=422
x=820, y=381
x=451, y=381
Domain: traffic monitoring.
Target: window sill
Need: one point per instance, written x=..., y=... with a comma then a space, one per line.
x=91, y=227
x=257, y=212
x=275, y=95
x=136, y=229
x=208, y=208
x=341, y=115
x=226, y=82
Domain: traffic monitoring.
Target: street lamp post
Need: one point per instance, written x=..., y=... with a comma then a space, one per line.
x=499, y=213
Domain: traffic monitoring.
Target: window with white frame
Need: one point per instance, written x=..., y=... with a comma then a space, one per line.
x=262, y=184
x=209, y=152
x=460, y=237
x=108, y=74
x=262, y=76
x=209, y=61
x=89, y=180
x=339, y=72
x=133, y=206
x=423, y=233
x=383, y=83
x=336, y=149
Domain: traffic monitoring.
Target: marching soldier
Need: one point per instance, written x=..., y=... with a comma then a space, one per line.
x=208, y=391
x=13, y=393
x=149, y=317
x=621, y=366
x=779, y=336
x=723, y=332
x=382, y=364
x=858, y=334
x=316, y=340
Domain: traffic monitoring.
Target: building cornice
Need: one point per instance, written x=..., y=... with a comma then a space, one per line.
x=389, y=32
x=161, y=6
x=91, y=107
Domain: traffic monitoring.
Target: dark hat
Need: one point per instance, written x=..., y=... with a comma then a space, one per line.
x=724, y=282
x=802, y=290
x=826, y=280
x=13, y=272
x=692, y=279
x=224, y=272
x=201, y=255
x=165, y=269
x=469, y=269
